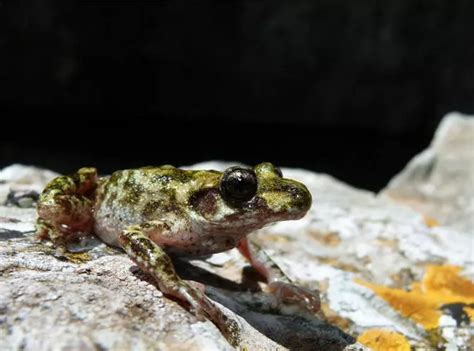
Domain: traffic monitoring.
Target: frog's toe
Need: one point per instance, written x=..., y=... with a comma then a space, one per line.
x=204, y=309
x=201, y=306
x=45, y=230
x=200, y=286
x=288, y=294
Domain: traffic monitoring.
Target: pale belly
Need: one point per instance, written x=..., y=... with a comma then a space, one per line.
x=110, y=223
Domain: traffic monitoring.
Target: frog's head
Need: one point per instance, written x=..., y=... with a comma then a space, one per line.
x=251, y=198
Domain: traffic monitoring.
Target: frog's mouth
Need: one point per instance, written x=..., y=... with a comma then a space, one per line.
x=270, y=207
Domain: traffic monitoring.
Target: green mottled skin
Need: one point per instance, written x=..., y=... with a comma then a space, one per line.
x=152, y=212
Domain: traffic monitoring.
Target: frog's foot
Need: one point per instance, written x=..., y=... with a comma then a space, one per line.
x=46, y=230
x=65, y=208
x=152, y=259
x=289, y=295
x=279, y=284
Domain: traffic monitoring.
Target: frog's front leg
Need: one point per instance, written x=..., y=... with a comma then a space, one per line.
x=152, y=259
x=65, y=207
x=279, y=285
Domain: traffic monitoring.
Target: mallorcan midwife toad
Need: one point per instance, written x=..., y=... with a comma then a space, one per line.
x=156, y=212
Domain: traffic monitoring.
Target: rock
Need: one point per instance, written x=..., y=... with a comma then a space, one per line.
x=439, y=182
x=387, y=277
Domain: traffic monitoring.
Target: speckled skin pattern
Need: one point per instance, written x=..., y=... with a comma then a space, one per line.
x=152, y=212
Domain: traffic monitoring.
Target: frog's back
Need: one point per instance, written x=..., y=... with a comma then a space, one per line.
x=134, y=196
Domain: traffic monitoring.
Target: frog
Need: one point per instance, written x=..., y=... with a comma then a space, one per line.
x=156, y=214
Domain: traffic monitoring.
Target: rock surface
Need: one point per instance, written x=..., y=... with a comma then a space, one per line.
x=388, y=274
x=439, y=182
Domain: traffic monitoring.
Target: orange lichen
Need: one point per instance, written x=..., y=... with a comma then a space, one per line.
x=335, y=262
x=390, y=243
x=470, y=312
x=334, y=318
x=440, y=285
x=279, y=239
x=326, y=238
x=430, y=221
x=384, y=340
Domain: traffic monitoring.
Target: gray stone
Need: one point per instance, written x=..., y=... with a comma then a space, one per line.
x=439, y=182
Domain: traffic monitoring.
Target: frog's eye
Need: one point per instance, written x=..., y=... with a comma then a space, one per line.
x=238, y=184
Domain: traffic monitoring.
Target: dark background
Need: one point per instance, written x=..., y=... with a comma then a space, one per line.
x=351, y=88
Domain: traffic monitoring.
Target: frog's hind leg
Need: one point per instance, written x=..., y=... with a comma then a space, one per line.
x=152, y=259
x=279, y=284
x=65, y=207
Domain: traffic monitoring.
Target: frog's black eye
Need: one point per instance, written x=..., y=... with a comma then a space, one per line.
x=279, y=172
x=238, y=184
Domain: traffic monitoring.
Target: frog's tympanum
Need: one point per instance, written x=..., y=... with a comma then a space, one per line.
x=154, y=213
